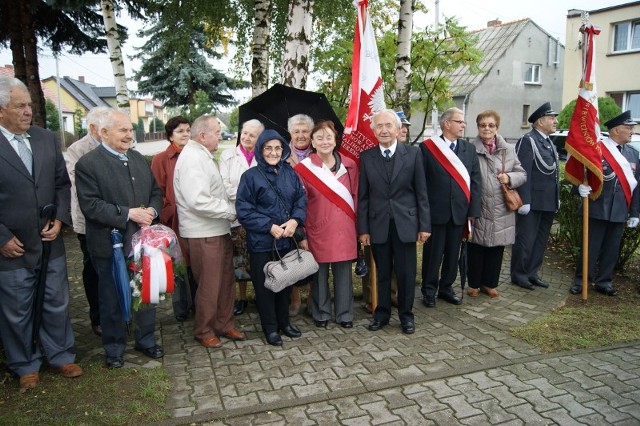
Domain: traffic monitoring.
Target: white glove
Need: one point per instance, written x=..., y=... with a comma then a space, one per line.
x=633, y=222
x=524, y=210
x=584, y=190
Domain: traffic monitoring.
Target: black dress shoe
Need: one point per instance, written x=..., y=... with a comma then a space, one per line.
x=114, y=363
x=450, y=298
x=346, y=324
x=181, y=318
x=408, y=327
x=538, y=282
x=429, y=301
x=376, y=325
x=274, y=339
x=576, y=289
x=526, y=286
x=607, y=290
x=240, y=306
x=154, y=351
x=321, y=323
x=291, y=331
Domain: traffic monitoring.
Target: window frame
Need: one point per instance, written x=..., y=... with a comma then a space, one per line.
x=533, y=67
x=633, y=28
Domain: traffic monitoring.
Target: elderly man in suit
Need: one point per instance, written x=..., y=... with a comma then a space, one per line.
x=618, y=203
x=453, y=175
x=393, y=213
x=33, y=175
x=116, y=189
x=541, y=198
x=77, y=149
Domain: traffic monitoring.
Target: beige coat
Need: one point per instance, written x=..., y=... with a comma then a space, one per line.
x=77, y=149
x=496, y=224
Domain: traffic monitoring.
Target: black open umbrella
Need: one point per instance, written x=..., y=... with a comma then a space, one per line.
x=48, y=213
x=462, y=260
x=279, y=103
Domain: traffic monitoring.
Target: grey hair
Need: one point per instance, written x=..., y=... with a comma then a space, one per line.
x=6, y=84
x=201, y=124
x=95, y=115
x=253, y=123
x=107, y=119
x=300, y=119
x=396, y=119
x=448, y=114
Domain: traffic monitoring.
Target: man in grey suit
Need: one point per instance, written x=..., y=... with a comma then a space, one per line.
x=618, y=203
x=116, y=189
x=452, y=204
x=33, y=175
x=78, y=149
x=541, y=198
x=393, y=213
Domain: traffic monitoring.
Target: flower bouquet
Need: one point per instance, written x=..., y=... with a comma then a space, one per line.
x=154, y=260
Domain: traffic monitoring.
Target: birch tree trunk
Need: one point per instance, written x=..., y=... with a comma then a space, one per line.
x=115, y=54
x=260, y=47
x=295, y=64
x=403, y=56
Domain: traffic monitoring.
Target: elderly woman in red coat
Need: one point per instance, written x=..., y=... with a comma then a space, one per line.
x=331, y=183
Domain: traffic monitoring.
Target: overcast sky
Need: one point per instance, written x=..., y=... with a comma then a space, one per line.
x=474, y=14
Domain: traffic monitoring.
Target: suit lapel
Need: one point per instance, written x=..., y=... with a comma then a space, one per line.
x=37, y=150
x=11, y=156
x=380, y=166
x=398, y=163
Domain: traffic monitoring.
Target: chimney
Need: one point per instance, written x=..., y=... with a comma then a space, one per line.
x=81, y=78
x=494, y=23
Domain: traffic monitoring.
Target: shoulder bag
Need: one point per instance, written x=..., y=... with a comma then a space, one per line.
x=512, y=199
x=287, y=270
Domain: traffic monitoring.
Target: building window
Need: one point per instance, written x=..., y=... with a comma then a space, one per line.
x=532, y=73
x=626, y=36
x=628, y=101
x=525, y=115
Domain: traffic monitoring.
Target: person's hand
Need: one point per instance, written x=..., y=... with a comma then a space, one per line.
x=142, y=216
x=51, y=230
x=584, y=190
x=289, y=228
x=524, y=210
x=304, y=244
x=276, y=231
x=233, y=218
x=504, y=178
x=12, y=248
x=365, y=239
x=633, y=222
x=423, y=236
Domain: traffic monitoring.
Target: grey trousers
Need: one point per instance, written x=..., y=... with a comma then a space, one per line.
x=342, y=288
x=17, y=291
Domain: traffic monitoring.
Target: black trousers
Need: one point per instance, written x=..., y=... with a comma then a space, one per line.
x=401, y=258
x=442, y=248
x=604, y=246
x=272, y=307
x=484, y=265
x=532, y=234
x=90, y=282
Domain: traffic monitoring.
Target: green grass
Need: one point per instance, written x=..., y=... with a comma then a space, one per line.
x=114, y=397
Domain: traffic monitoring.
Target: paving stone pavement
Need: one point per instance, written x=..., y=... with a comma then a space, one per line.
x=460, y=367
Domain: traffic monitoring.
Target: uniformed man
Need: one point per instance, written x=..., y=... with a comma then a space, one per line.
x=541, y=198
x=618, y=203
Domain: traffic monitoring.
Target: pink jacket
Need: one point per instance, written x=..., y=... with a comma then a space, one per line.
x=331, y=233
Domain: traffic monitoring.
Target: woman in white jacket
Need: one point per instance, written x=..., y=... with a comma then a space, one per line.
x=234, y=162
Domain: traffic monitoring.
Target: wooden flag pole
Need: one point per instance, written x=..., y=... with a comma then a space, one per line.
x=585, y=246
x=373, y=280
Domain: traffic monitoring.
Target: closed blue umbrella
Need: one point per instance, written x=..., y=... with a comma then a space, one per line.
x=120, y=274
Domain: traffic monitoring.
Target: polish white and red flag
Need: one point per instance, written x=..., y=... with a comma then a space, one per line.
x=583, y=144
x=367, y=94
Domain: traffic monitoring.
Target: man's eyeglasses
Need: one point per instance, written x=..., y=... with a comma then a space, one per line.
x=459, y=121
x=272, y=149
x=489, y=125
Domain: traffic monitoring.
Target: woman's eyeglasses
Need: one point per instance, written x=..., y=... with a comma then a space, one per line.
x=270, y=149
x=489, y=125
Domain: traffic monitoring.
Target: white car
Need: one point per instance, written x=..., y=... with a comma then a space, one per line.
x=559, y=138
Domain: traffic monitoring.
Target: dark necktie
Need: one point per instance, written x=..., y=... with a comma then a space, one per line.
x=453, y=147
x=619, y=148
x=387, y=154
x=25, y=154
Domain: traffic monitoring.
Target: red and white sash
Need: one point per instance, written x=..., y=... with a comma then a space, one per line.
x=451, y=163
x=325, y=182
x=621, y=167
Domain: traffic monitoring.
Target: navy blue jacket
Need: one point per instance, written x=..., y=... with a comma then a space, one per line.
x=258, y=206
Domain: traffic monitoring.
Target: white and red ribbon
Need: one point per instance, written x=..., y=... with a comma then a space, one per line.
x=451, y=163
x=621, y=168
